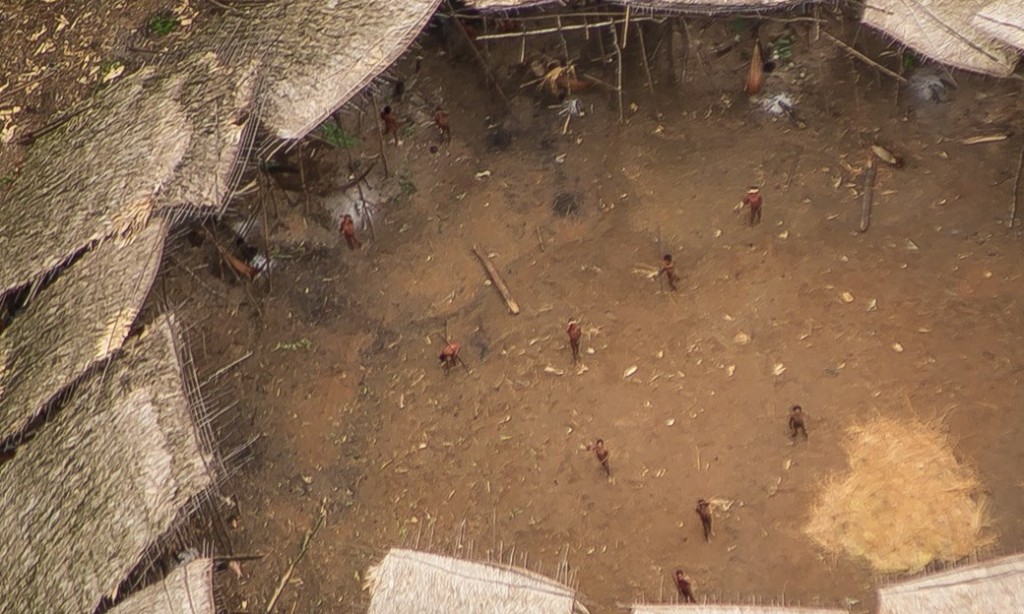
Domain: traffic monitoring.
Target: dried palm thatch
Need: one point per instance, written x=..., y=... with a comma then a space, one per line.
x=413, y=582
x=217, y=98
x=992, y=586
x=79, y=320
x=943, y=31
x=186, y=590
x=93, y=178
x=904, y=502
x=500, y=5
x=317, y=54
x=100, y=482
x=1003, y=19
x=729, y=609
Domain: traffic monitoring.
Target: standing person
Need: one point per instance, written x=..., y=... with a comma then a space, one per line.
x=348, y=230
x=602, y=454
x=754, y=200
x=390, y=123
x=797, y=424
x=450, y=355
x=441, y=121
x=575, y=332
x=668, y=268
x=704, y=511
x=684, y=587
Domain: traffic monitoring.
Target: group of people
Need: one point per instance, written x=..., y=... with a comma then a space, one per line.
x=449, y=355
x=752, y=199
x=390, y=121
x=449, y=358
x=347, y=225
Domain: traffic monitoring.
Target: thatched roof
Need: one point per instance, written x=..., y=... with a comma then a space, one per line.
x=186, y=590
x=95, y=177
x=729, y=609
x=993, y=586
x=163, y=136
x=943, y=31
x=321, y=53
x=99, y=483
x=411, y=582
x=79, y=320
x=217, y=97
x=500, y=5
x=1003, y=19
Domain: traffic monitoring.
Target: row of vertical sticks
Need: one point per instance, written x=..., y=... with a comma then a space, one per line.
x=605, y=19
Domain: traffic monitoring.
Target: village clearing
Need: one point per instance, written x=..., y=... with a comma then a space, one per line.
x=913, y=320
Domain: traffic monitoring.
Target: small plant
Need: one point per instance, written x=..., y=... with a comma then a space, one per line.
x=406, y=185
x=163, y=24
x=333, y=134
x=6, y=180
x=910, y=61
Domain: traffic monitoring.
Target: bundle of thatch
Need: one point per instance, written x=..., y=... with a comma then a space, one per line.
x=95, y=177
x=79, y=320
x=729, y=609
x=1003, y=19
x=412, y=582
x=186, y=590
x=904, y=502
x=992, y=586
x=99, y=483
x=943, y=31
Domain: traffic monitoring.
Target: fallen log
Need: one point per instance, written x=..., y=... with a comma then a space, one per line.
x=867, y=197
x=499, y=283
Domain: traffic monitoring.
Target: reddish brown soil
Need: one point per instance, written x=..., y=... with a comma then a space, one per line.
x=491, y=457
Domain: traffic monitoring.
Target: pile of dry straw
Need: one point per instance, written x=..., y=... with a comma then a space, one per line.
x=904, y=502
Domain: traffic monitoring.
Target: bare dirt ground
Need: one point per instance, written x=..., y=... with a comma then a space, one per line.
x=345, y=385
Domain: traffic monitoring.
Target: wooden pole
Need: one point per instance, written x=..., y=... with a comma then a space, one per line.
x=618, y=69
x=565, y=45
x=380, y=133
x=499, y=283
x=647, y=67
x=860, y=56
x=302, y=552
x=868, y=197
x=1016, y=189
x=483, y=62
x=625, y=29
